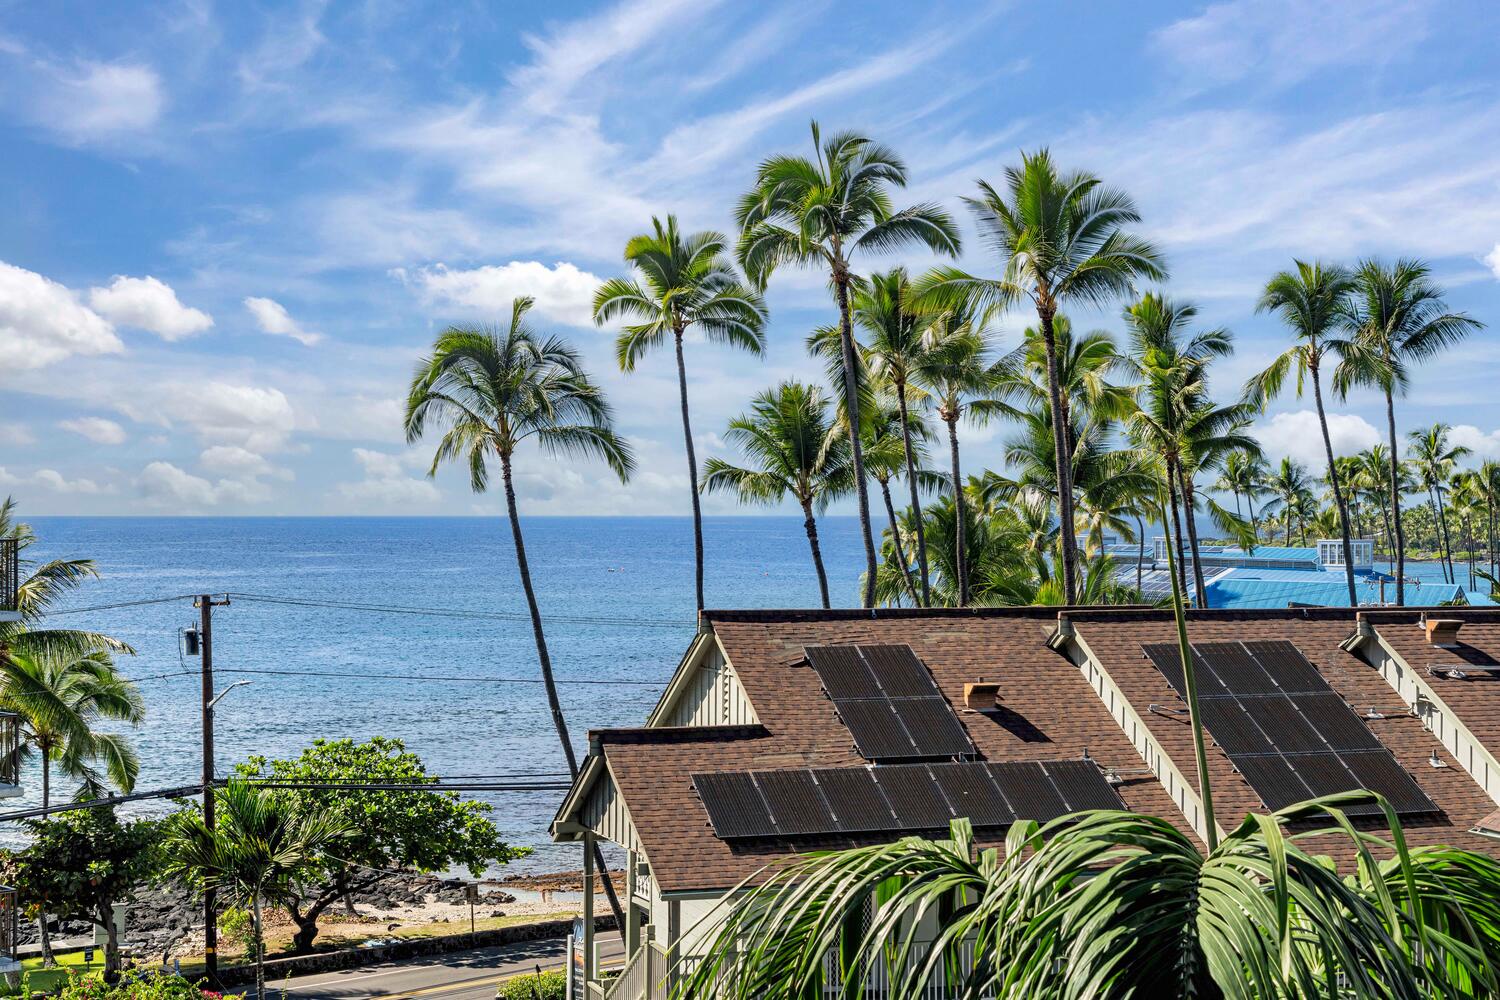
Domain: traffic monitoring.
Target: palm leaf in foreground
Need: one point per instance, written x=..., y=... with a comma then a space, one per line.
x=1113, y=904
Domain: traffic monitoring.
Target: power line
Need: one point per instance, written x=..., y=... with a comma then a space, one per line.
x=118, y=604
x=476, y=678
x=460, y=612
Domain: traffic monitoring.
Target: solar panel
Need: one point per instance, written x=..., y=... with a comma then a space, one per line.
x=857, y=803
x=1235, y=669
x=796, y=804
x=1331, y=716
x=1168, y=660
x=1285, y=663
x=1288, y=728
x=1082, y=785
x=914, y=796
x=889, y=702
x=1380, y=772
x=843, y=671
x=1232, y=728
x=877, y=733
x=1028, y=789
x=899, y=673
x=735, y=807
x=972, y=794
x=1274, y=780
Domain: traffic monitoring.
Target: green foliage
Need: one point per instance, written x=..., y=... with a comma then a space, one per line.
x=237, y=926
x=137, y=986
x=83, y=862
x=547, y=986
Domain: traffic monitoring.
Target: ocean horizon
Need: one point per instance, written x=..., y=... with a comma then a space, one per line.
x=616, y=594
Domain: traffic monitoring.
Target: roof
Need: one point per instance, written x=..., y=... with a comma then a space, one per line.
x=1048, y=711
x=1475, y=699
x=1256, y=589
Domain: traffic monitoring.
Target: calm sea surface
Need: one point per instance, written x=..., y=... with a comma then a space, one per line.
x=636, y=571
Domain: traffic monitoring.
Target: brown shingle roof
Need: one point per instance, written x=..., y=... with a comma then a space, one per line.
x=1475, y=700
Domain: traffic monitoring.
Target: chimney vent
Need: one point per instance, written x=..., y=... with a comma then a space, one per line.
x=1443, y=631
x=981, y=696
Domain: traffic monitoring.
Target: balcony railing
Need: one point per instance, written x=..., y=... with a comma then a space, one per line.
x=9, y=925
x=10, y=573
x=10, y=759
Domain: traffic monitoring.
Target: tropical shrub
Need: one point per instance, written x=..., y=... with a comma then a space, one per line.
x=137, y=985
x=547, y=986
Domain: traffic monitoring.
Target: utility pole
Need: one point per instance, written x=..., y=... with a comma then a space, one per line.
x=206, y=604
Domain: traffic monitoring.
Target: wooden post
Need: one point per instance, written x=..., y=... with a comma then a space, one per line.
x=590, y=967
x=632, y=915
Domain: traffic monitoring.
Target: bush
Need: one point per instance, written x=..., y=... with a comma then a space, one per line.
x=137, y=985
x=550, y=984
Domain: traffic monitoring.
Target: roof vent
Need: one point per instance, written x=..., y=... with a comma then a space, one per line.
x=1443, y=631
x=982, y=696
x=1436, y=761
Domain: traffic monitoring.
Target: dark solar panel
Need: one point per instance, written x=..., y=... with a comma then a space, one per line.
x=1168, y=660
x=1380, y=772
x=899, y=673
x=933, y=727
x=1274, y=780
x=877, y=732
x=1232, y=728
x=1235, y=669
x=1288, y=728
x=914, y=796
x=857, y=803
x=1028, y=790
x=843, y=671
x=735, y=807
x=1326, y=774
x=1336, y=722
x=796, y=804
x=972, y=794
x=1082, y=785
x=1285, y=663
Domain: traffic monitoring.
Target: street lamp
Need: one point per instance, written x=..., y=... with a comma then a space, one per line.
x=220, y=696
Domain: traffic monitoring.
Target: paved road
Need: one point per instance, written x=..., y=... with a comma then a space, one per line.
x=466, y=975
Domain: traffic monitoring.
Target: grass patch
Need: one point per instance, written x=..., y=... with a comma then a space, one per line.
x=51, y=980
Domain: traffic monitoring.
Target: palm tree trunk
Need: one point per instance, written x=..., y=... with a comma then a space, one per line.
x=1189, y=502
x=916, y=504
x=959, y=543
x=1254, y=526
x=260, y=949
x=1140, y=551
x=851, y=407
x=692, y=458
x=1333, y=480
x=810, y=525
x=1176, y=538
x=1399, y=543
x=1442, y=512
x=43, y=935
x=890, y=512
x=1063, y=460
x=548, y=681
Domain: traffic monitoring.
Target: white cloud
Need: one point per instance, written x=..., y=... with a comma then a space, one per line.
x=55, y=481
x=1296, y=435
x=1493, y=260
x=563, y=292
x=96, y=429
x=273, y=318
x=386, y=483
x=98, y=100
x=1282, y=41
x=149, y=304
x=239, y=463
x=163, y=484
x=42, y=322
x=16, y=435
x=1484, y=444
x=258, y=418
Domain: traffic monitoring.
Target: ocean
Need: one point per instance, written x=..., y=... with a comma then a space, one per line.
x=616, y=593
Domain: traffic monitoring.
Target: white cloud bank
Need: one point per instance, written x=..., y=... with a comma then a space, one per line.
x=1296, y=435
x=42, y=322
x=271, y=316
x=256, y=418
x=96, y=429
x=386, y=483
x=148, y=304
x=1493, y=260
x=563, y=292
x=164, y=485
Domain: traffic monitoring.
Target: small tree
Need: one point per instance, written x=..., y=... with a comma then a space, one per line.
x=81, y=864
x=415, y=831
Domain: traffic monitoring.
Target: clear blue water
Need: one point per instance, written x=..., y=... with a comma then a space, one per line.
x=635, y=568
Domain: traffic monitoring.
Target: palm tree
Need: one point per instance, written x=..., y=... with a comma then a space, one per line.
x=1434, y=460
x=895, y=444
x=797, y=451
x=1082, y=906
x=1397, y=319
x=1060, y=239
x=822, y=211
x=956, y=371
x=1311, y=301
x=689, y=283
x=1243, y=475
x=490, y=391
x=1172, y=407
x=1290, y=489
x=895, y=346
x=259, y=847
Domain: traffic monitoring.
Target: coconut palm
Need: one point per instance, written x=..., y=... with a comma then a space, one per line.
x=893, y=438
x=1243, y=475
x=822, y=212
x=955, y=369
x=1060, y=238
x=894, y=346
x=1312, y=301
x=1434, y=460
x=259, y=848
x=1081, y=906
x=796, y=450
x=686, y=283
x=1290, y=490
x=489, y=391
x=1397, y=319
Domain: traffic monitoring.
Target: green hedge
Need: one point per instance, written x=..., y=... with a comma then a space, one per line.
x=549, y=986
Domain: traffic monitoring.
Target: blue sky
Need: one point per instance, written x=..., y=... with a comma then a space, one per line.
x=229, y=230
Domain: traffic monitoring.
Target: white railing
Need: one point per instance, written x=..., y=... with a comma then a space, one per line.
x=644, y=976
x=878, y=985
